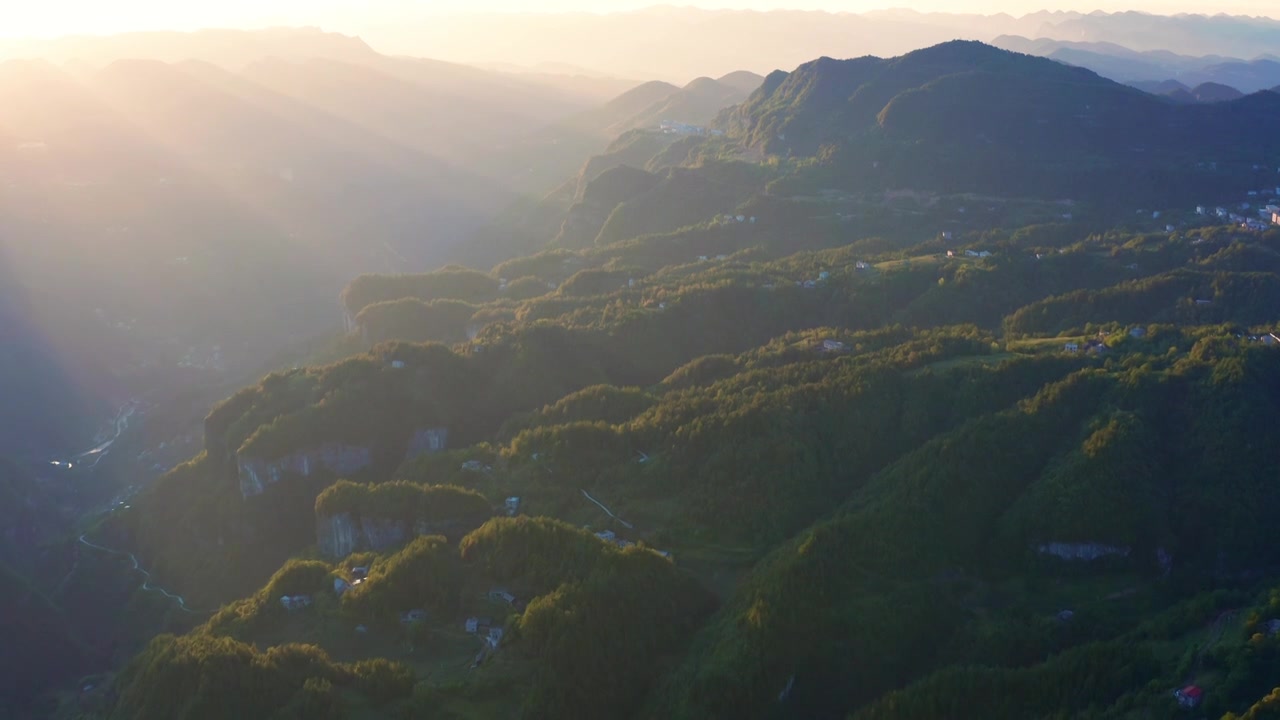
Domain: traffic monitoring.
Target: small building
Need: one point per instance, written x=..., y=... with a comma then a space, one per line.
x=1202, y=301
x=473, y=466
x=495, y=636
x=1200, y=210
x=471, y=625
x=512, y=505
x=607, y=535
x=832, y=346
x=1071, y=347
x=362, y=630
x=702, y=258
x=860, y=265
x=1137, y=332
x=946, y=235
x=951, y=253
x=824, y=275
x=397, y=364
x=359, y=572
x=340, y=586
x=413, y=616
x=741, y=218
x=1189, y=696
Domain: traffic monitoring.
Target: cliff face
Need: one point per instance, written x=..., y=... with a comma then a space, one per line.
x=255, y=473
x=1082, y=551
x=426, y=440
x=340, y=535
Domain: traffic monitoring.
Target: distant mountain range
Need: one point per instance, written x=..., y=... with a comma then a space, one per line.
x=1142, y=68
x=676, y=44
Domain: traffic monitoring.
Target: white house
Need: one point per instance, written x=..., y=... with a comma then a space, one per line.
x=495, y=636
x=1200, y=210
x=512, y=505
x=606, y=535
x=741, y=218
x=397, y=364
x=1071, y=347
x=970, y=253
x=832, y=346
x=471, y=625
x=861, y=265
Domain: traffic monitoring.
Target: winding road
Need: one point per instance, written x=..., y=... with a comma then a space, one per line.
x=97, y=453
x=146, y=585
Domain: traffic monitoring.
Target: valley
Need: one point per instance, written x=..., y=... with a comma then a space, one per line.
x=874, y=388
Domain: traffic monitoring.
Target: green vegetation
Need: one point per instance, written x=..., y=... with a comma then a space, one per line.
x=402, y=501
x=866, y=452
x=201, y=676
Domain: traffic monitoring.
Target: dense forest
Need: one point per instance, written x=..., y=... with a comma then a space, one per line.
x=748, y=434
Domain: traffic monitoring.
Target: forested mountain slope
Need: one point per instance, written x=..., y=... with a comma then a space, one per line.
x=764, y=438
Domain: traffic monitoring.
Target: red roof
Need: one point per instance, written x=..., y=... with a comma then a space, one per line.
x=1192, y=691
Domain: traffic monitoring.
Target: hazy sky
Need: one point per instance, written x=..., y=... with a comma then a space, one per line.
x=58, y=17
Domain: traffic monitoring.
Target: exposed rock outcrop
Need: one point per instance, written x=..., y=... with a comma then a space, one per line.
x=426, y=440
x=344, y=533
x=1082, y=551
x=255, y=473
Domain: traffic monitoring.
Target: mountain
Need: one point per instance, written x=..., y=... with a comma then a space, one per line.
x=882, y=402
x=230, y=49
x=675, y=44
x=1247, y=76
x=611, y=118
x=743, y=80
x=1049, y=424
x=694, y=104
x=1019, y=121
x=1134, y=68
x=1206, y=93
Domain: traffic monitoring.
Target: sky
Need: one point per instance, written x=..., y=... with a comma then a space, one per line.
x=48, y=18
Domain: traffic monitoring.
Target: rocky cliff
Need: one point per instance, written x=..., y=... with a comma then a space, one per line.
x=426, y=440
x=344, y=533
x=1082, y=551
x=255, y=473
